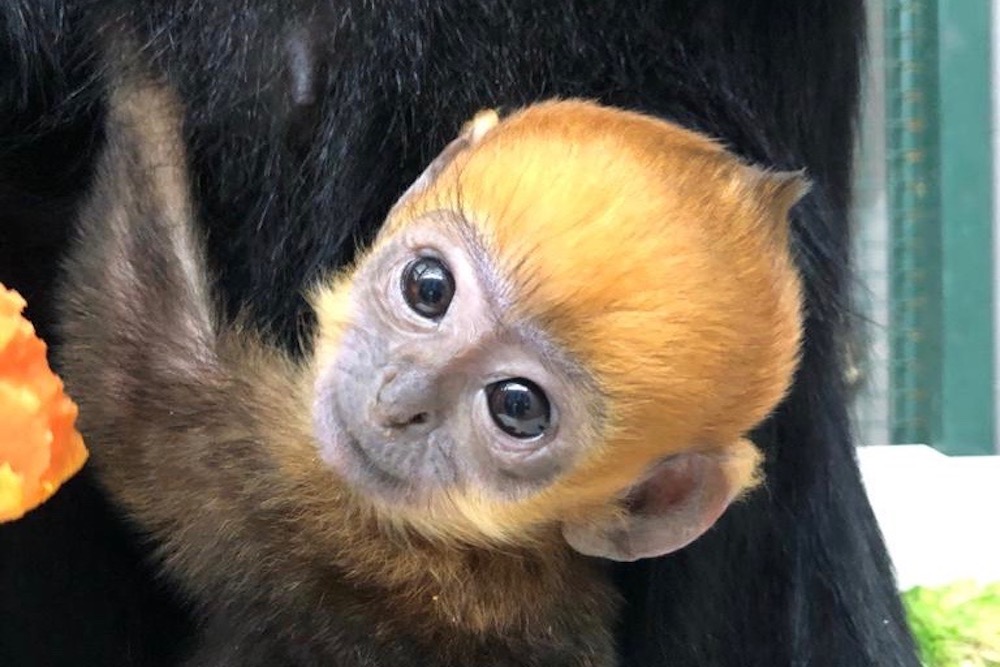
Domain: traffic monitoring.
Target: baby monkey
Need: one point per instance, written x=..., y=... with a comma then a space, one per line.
x=552, y=351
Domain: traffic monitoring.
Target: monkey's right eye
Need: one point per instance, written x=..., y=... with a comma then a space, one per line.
x=428, y=287
x=519, y=407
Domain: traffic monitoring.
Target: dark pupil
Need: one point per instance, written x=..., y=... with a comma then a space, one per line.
x=519, y=407
x=428, y=287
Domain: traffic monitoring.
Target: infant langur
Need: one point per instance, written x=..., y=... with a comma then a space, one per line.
x=553, y=350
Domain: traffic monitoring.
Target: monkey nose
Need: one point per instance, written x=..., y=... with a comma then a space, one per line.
x=405, y=400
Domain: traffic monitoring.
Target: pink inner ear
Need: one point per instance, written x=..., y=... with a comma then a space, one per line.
x=680, y=499
x=669, y=486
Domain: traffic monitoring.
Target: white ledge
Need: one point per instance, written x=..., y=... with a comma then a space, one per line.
x=940, y=515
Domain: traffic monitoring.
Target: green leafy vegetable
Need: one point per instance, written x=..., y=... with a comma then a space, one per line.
x=956, y=625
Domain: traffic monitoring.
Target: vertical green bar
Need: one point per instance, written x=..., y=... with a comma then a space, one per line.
x=912, y=154
x=966, y=226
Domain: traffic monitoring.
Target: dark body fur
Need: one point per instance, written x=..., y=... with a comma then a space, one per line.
x=204, y=432
x=306, y=120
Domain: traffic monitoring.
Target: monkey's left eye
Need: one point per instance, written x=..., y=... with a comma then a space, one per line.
x=428, y=287
x=519, y=407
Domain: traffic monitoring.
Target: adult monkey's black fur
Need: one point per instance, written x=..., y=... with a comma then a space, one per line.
x=307, y=119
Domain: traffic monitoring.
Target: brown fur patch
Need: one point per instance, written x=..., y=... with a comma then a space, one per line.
x=201, y=433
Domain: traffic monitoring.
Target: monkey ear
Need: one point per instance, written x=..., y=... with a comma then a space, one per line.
x=786, y=188
x=471, y=134
x=680, y=499
x=780, y=190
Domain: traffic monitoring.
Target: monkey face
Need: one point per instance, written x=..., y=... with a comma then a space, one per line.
x=432, y=390
x=560, y=316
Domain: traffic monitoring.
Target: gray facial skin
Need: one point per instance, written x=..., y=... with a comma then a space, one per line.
x=401, y=411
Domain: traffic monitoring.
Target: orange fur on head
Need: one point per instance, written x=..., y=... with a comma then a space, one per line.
x=655, y=257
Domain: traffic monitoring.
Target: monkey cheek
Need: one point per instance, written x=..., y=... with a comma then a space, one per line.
x=331, y=437
x=521, y=472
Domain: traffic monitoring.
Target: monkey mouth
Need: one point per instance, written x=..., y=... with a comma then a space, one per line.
x=369, y=475
x=360, y=469
x=384, y=477
x=338, y=446
x=355, y=459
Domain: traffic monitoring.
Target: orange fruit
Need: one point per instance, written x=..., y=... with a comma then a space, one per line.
x=40, y=447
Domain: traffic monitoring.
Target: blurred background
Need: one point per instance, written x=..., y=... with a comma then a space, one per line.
x=925, y=365
x=924, y=228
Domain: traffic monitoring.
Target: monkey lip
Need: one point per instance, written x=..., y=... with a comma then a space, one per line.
x=343, y=451
x=367, y=474
x=369, y=462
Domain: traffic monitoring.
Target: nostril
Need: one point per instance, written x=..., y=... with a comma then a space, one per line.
x=403, y=421
x=389, y=374
x=404, y=399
